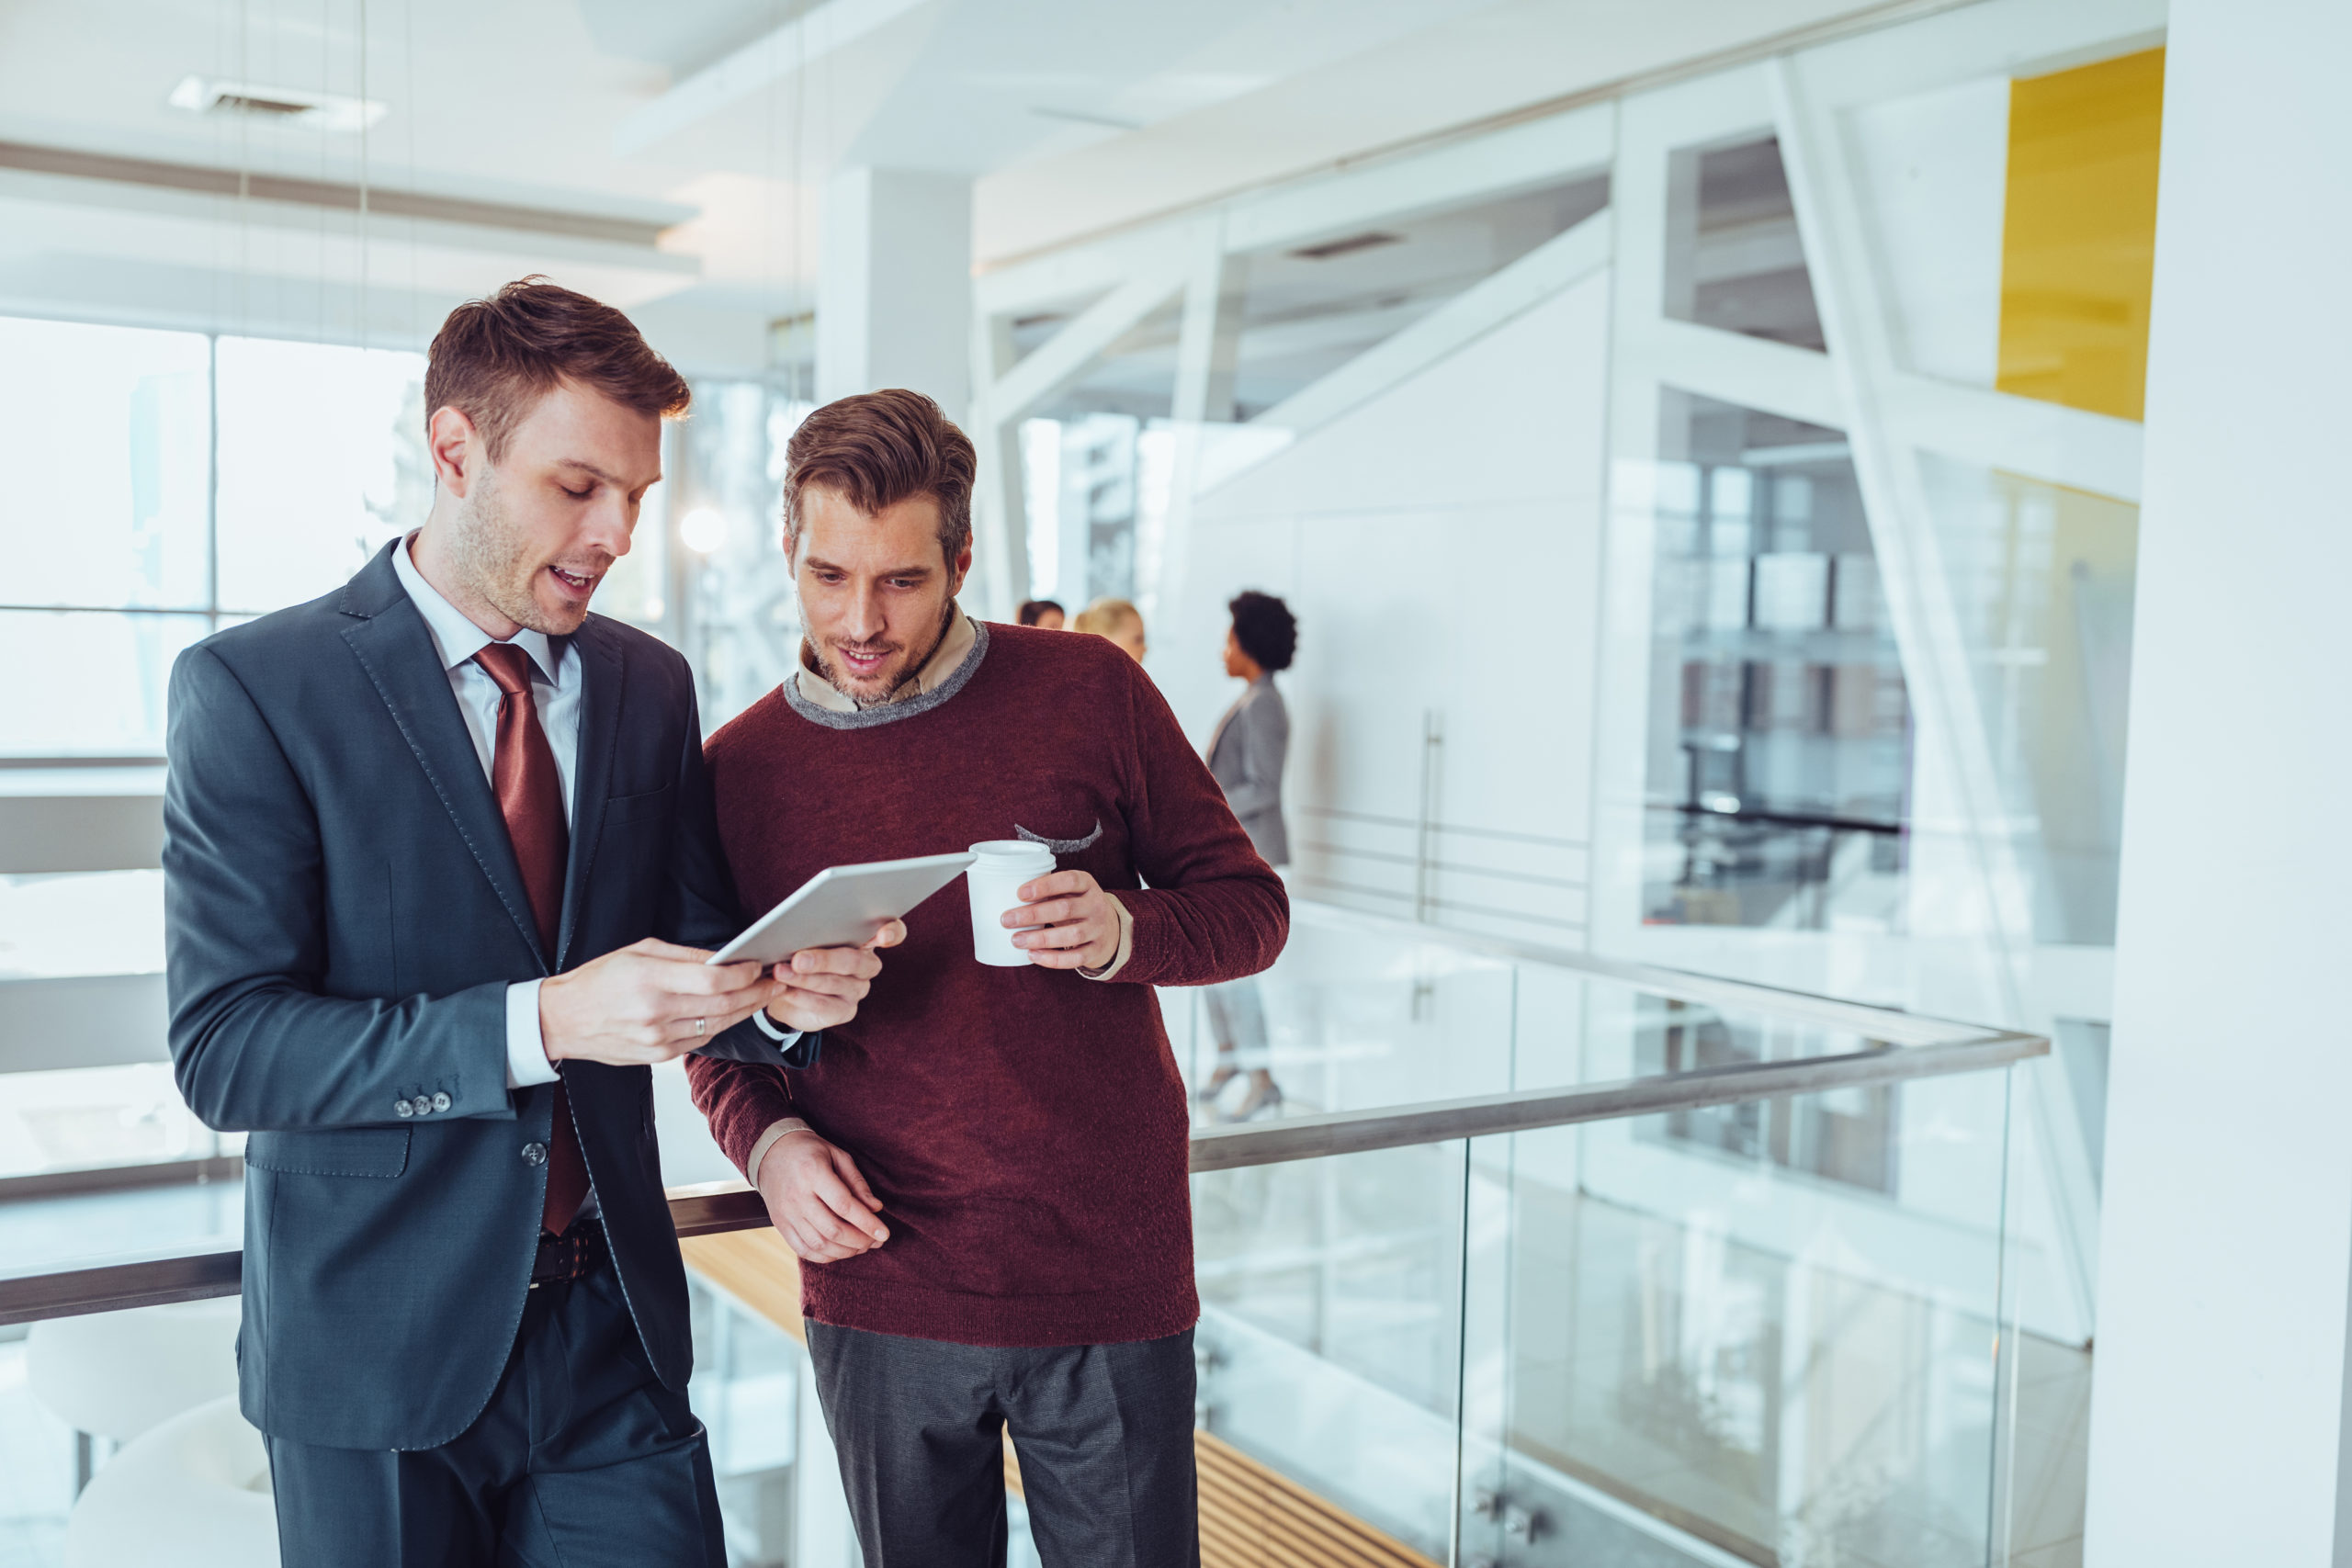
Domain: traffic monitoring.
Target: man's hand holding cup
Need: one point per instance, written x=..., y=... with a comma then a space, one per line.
x=1065, y=922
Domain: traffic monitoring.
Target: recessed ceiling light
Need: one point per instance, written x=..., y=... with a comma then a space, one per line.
x=296, y=106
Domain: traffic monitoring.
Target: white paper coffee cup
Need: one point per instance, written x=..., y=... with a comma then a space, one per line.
x=993, y=880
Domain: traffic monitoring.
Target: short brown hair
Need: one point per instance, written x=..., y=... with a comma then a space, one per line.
x=878, y=449
x=496, y=358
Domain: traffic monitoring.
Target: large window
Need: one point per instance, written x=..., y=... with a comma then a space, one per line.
x=165, y=484
x=168, y=484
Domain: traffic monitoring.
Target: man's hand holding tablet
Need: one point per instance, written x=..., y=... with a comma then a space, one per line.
x=654, y=1001
x=822, y=985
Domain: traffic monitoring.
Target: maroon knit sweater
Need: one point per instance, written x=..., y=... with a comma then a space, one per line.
x=1024, y=1129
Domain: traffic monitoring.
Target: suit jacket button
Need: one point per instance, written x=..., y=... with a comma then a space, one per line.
x=403, y=1108
x=535, y=1153
x=440, y=1101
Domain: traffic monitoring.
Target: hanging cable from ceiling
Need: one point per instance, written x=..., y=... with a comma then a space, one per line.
x=408, y=109
x=244, y=176
x=365, y=235
x=769, y=196
x=326, y=84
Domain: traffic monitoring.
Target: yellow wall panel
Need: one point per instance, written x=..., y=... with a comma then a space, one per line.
x=2078, y=248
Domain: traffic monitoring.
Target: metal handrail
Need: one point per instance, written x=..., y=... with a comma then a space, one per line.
x=1916, y=1047
x=1529, y=1110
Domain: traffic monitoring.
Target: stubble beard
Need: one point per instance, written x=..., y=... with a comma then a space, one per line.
x=491, y=555
x=833, y=676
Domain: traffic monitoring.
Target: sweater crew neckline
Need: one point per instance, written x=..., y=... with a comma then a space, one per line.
x=891, y=713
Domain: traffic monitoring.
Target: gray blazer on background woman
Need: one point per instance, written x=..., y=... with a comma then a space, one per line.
x=1246, y=754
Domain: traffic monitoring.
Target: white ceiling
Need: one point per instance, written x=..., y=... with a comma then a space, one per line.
x=721, y=119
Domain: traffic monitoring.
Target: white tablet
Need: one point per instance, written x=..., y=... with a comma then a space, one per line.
x=843, y=905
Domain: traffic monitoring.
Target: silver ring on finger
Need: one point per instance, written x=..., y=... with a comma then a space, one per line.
x=702, y=1027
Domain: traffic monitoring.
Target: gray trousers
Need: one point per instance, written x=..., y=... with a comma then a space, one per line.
x=1103, y=1432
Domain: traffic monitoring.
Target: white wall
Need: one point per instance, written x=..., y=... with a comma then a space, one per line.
x=2218, y=1416
x=1440, y=547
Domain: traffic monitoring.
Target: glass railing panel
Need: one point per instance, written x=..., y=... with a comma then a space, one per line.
x=1765, y=1333
x=79, y=1395
x=1351, y=1017
x=749, y=1382
x=1331, y=1337
x=1363, y=1013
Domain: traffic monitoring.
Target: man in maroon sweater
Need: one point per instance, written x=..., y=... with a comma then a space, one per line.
x=986, y=1172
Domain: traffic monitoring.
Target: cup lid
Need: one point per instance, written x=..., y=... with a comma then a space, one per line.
x=1011, y=848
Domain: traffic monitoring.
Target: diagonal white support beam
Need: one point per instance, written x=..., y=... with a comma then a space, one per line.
x=755, y=67
x=2020, y=435
x=1559, y=263
x=1065, y=357
x=1928, y=622
x=1795, y=383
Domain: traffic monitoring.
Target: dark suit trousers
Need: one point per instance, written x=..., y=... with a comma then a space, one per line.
x=1103, y=1433
x=581, y=1460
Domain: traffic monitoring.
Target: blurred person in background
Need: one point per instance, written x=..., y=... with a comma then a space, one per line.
x=1115, y=619
x=1045, y=615
x=1246, y=755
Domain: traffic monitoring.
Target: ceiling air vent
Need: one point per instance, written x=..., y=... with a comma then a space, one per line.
x=296, y=107
x=1348, y=246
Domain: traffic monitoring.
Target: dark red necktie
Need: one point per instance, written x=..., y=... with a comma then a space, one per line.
x=530, y=796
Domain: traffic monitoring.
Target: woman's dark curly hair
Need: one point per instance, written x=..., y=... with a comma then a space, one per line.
x=1265, y=628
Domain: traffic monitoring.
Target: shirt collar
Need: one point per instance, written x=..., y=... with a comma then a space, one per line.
x=457, y=639
x=953, y=650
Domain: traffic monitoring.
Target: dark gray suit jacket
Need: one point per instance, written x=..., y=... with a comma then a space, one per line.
x=1246, y=754
x=344, y=915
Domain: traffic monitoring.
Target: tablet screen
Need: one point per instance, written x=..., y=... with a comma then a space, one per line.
x=843, y=905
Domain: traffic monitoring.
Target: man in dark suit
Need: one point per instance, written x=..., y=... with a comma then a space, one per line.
x=441, y=875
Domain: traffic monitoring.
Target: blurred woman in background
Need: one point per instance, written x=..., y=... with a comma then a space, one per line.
x=1246, y=754
x=1043, y=614
x=1116, y=619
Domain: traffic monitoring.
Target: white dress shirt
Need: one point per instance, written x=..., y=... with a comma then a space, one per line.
x=555, y=691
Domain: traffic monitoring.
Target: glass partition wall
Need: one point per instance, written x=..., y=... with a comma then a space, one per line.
x=1711, y=515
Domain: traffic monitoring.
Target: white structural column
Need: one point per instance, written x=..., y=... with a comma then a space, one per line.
x=2220, y=1411
x=894, y=295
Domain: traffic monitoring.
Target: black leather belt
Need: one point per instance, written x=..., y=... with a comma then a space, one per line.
x=580, y=1250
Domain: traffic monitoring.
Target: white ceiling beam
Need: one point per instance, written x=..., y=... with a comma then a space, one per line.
x=1530, y=155
x=1556, y=149
x=1559, y=263
x=1064, y=357
x=61, y=215
x=1059, y=276
x=772, y=57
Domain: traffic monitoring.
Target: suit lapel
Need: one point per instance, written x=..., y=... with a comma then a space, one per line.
x=389, y=639
x=602, y=669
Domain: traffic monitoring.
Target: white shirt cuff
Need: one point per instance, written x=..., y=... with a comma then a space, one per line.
x=1126, y=949
x=768, y=1140
x=787, y=1038
x=526, y=1049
